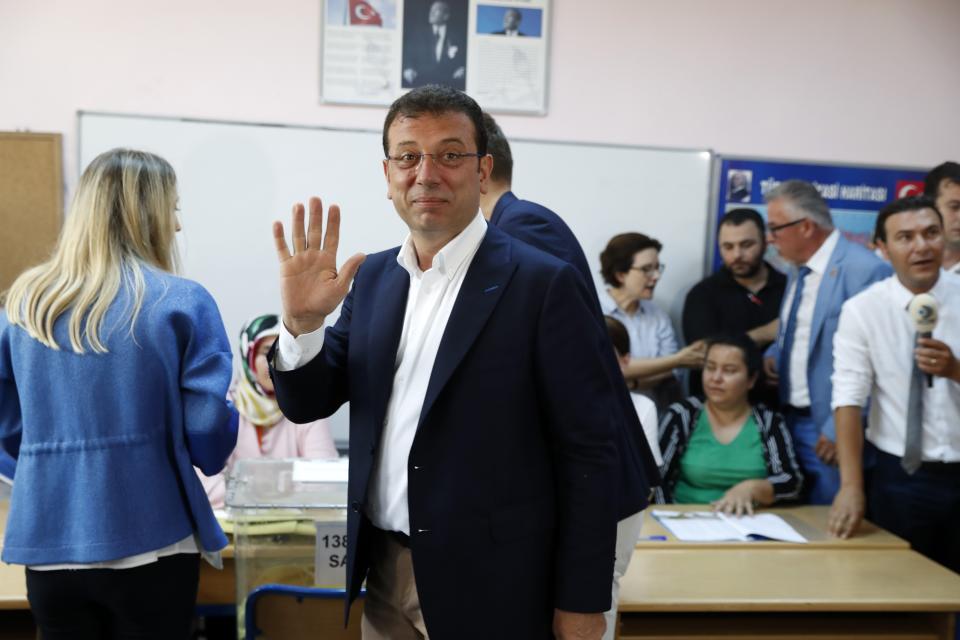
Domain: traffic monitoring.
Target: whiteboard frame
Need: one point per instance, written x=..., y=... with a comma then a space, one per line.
x=628, y=207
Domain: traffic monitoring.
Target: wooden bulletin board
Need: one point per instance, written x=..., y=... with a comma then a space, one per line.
x=31, y=200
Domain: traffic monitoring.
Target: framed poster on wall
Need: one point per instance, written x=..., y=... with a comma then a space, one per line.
x=374, y=50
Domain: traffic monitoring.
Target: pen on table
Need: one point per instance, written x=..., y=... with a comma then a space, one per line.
x=654, y=538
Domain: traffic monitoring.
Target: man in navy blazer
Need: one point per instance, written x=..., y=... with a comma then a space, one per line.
x=482, y=424
x=542, y=228
x=830, y=270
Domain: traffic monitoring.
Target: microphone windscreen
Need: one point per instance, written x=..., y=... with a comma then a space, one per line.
x=923, y=311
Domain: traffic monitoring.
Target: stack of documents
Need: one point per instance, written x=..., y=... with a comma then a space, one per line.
x=321, y=470
x=710, y=526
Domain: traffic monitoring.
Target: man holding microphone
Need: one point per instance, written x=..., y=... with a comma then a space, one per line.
x=909, y=372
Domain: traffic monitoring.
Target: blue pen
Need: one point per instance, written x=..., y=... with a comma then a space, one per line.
x=657, y=538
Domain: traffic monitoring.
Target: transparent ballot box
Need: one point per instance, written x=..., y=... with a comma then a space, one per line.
x=289, y=524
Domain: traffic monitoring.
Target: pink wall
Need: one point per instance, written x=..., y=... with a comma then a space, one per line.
x=872, y=81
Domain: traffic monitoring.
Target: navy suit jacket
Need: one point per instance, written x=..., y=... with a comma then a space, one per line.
x=542, y=228
x=512, y=473
x=850, y=270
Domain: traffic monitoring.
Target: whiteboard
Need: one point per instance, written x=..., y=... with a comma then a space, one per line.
x=235, y=179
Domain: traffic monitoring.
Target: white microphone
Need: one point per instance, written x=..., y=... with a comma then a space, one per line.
x=923, y=310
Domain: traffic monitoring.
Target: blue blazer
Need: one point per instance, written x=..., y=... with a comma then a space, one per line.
x=542, y=228
x=109, y=441
x=512, y=472
x=850, y=270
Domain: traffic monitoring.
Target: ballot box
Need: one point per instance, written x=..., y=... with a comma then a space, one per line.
x=289, y=524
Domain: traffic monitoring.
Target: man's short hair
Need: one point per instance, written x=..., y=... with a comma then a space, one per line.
x=805, y=200
x=947, y=171
x=436, y=100
x=618, y=255
x=737, y=217
x=910, y=203
x=618, y=336
x=499, y=148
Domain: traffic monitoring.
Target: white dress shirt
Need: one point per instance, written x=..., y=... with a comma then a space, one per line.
x=647, y=412
x=799, y=389
x=873, y=360
x=430, y=300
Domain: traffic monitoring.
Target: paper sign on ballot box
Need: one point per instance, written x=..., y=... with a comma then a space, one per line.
x=331, y=554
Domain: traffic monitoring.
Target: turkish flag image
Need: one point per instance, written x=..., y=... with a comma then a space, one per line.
x=362, y=13
x=909, y=188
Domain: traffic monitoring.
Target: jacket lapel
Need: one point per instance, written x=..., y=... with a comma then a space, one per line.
x=782, y=325
x=482, y=287
x=828, y=291
x=390, y=301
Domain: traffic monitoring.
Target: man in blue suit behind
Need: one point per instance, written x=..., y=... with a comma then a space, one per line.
x=830, y=270
x=542, y=228
x=483, y=462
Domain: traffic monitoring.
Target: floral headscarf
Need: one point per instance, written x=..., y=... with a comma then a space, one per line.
x=252, y=401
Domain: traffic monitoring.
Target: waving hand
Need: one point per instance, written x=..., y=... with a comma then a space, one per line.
x=310, y=285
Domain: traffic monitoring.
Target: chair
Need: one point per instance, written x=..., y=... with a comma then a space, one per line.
x=288, y=612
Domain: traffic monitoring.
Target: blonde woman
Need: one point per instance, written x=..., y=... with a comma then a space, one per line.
x=113, y=371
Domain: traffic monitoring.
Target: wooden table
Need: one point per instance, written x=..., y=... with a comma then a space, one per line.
x=866, y=587
x=810, y=521
x=216, y=588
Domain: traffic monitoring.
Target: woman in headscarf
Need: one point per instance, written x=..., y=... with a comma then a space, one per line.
x=264, y=431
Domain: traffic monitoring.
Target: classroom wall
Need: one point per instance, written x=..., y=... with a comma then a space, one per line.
x=847, y=80
x=870, y=81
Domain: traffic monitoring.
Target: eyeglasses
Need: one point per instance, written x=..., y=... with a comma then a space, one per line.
x=647, y=269
x=772, y=229
x=447, y=159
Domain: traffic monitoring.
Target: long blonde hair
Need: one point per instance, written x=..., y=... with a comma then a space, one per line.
x=122, y=215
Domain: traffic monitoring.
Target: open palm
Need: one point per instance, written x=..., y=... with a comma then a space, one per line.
x=311, y=287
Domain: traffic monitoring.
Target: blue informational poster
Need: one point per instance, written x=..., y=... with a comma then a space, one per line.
x=855, y=193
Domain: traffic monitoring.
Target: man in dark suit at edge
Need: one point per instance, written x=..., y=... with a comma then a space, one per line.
x=482, y=430
x=433, y=52
x=542, y=228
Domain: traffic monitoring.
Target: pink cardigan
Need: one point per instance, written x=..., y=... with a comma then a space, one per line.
x=284, y=440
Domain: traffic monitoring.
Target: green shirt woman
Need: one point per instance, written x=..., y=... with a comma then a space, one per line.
x=725, y=451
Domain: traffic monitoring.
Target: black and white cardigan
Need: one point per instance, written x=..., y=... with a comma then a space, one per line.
x=676, y=427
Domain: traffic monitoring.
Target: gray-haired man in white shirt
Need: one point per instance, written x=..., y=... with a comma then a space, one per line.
x=912, y=384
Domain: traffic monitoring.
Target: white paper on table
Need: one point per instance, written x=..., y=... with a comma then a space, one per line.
x=708, y=526
x=320, y=470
